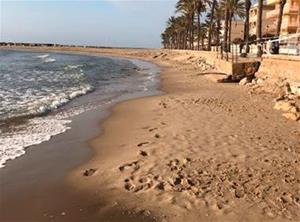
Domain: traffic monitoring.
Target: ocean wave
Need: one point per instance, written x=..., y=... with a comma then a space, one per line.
x=62, y=99
x=47, y=60
x=38, y=130
x=28, y=96
x=32, y=105
x=43, y=56
x=68, y=67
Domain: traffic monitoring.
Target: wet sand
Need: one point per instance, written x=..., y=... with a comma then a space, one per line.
x=33, y=187
x=201, y=152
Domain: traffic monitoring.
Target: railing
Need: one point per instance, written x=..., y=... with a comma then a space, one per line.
x=288, y=45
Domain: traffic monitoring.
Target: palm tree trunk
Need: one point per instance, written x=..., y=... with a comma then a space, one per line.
x=246, y=27
x=259, y=28
x=198, y=31
x=229, y=31
x=211, y=23
x=298, y=29
x=179, y=40
x=282, y=3
x=190, y=33
x=185, y=38
x=219, y=28
x=225, y=46
x=192, y=29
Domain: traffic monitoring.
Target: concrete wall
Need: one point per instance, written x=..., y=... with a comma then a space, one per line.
x=211, y=57
x=280, y=66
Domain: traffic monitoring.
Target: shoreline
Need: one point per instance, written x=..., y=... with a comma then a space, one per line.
x=177, y=164
x=141, y=64
x=138, y=174
x=81, y=207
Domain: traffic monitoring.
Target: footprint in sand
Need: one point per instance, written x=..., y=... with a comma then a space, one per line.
x=89, y=172
x=142, y=143
x=143, y=153
x=163, y=104
x=157, y=136
x=127, y=166
x=152, y=129
x=140, y=184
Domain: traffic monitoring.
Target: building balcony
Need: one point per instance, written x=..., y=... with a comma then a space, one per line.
x=291, y=9
x=272, y=14
x=287, y=11
x=294, y=8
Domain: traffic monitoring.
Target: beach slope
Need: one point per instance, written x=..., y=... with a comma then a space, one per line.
x=203, y=151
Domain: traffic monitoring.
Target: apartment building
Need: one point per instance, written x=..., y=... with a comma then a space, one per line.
x=237, y=29
x=290, y=18
x=253, y=17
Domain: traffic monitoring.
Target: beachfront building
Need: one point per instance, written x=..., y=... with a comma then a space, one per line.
x=290, y=18
x=253, y=16
x=237, y=29
x=290, y=15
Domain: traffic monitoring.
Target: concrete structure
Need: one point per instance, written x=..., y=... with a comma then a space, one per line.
x=290, y=19
x=276, y=66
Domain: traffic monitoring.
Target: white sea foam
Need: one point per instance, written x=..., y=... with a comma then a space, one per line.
x=43, y=56
x=46, y=58
x=38, y=130
x=68, y=67
x=36, y=91
x=49, y=60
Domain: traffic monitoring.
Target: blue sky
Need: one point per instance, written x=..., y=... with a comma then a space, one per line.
x=126, y=23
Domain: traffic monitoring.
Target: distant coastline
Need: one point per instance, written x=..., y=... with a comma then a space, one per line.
x=33, y=44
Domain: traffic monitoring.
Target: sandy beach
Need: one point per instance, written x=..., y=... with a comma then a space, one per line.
x=201, y=151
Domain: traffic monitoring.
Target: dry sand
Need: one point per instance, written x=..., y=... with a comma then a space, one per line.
x=202, y=151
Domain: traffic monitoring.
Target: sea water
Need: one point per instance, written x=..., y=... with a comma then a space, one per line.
x=41, y=92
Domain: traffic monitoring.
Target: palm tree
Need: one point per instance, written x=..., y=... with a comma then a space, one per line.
x=203, y=34
x=180, y=30
x=171, y=31
x=219, y=16
x=259, y=27
x=187, y=8
x=235, y=9
x=174, y=35
x=212, y=12
x=165, y=39
x=225, y=37
x=199, y=8
x=246, y=28
x=282, y=4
